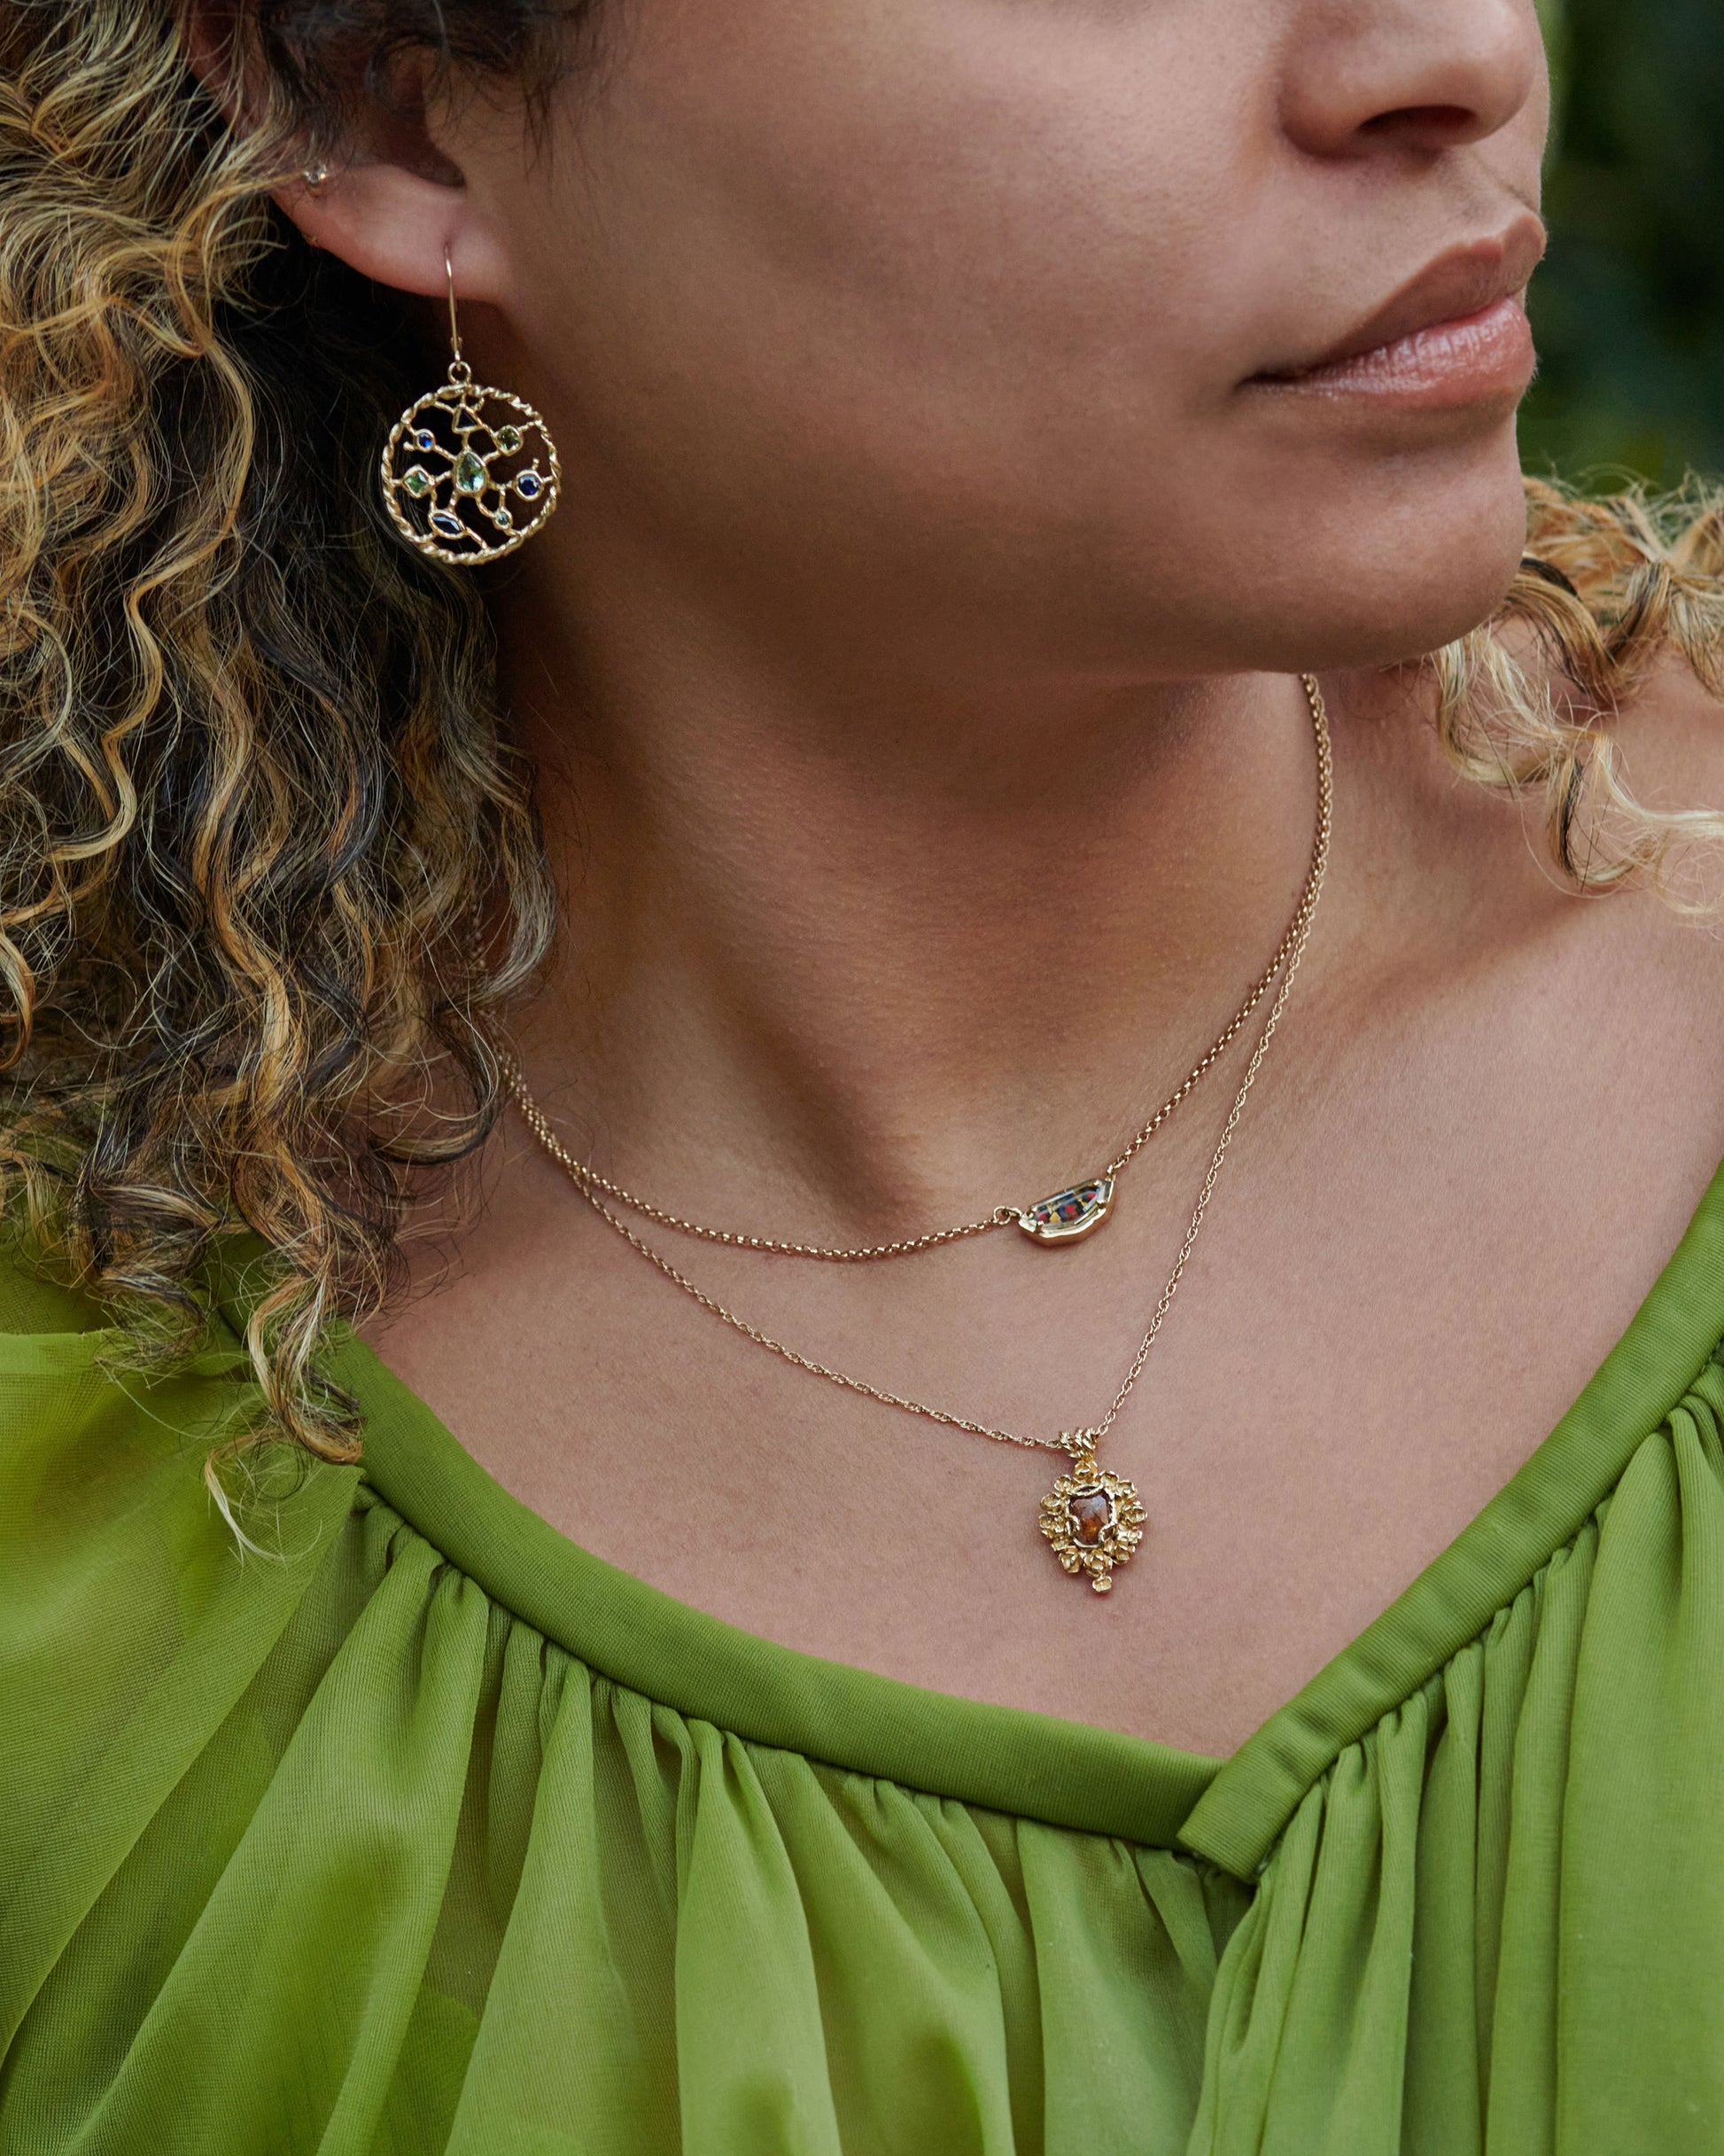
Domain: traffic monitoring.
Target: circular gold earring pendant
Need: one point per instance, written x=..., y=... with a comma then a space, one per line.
x=469, y=473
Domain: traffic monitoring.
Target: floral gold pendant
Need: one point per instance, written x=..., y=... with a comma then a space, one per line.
x=1094, y=1521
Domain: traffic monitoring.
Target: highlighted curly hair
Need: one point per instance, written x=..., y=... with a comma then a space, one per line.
x=252, y=774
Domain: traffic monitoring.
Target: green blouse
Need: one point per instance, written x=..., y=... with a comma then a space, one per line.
x=427, y=1831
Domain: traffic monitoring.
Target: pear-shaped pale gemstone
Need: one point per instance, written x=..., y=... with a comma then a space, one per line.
x=469, y=472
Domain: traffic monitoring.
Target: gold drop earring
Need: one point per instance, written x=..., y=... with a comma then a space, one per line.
x=469, y=473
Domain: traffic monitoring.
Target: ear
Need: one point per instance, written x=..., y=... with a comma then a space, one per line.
x=399, y=228
x=393, y=207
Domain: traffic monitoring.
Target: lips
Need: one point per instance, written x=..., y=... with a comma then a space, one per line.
x=1464, y=286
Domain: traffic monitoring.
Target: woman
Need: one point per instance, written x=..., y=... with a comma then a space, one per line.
x=1039, y=680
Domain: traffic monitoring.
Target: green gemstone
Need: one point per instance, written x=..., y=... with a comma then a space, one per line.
x=508, y=440
x=470, y=473
x=418, y=481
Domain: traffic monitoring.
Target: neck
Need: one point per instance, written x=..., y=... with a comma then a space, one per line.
x=853, y=948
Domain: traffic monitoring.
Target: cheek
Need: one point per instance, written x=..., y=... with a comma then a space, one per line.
x=919, y=254
x=943, y=304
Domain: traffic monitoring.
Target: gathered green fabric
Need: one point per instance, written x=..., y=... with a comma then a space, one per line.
x=425, y=1831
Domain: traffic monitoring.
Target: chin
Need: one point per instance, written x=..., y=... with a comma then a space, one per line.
x=1412, y=615
x=1388, y=572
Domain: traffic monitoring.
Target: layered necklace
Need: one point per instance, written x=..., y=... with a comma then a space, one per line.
x=1093, y=1520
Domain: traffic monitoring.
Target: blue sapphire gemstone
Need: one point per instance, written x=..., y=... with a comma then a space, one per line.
x=425, y=438
x=451, y=526
x=527, y=484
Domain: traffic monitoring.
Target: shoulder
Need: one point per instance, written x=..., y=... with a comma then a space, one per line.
x=66, y=1369
x=72, y=1407
x=120, y=1579
x=99, y=1447
x=64, y=1412
x=34, y=1305
x=133, y=1625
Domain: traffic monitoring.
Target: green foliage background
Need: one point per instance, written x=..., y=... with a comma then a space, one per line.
x=1628, y=306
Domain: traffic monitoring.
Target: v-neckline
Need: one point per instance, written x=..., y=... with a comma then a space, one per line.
x=1012, y=1759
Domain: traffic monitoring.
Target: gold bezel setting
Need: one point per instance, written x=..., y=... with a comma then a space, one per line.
x=1069, y=1214
x=1071, y=1506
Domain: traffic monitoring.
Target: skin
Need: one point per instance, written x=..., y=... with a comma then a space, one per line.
x=910, y=667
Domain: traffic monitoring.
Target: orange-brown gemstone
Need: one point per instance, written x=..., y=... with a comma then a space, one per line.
x=1089, y=1512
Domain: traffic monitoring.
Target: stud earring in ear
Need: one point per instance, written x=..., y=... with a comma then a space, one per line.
x=469, y=473
x=314, y=176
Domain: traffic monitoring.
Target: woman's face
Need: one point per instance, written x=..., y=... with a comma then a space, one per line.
x=969, y=324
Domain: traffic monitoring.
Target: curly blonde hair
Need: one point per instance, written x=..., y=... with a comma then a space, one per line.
x=253, y=773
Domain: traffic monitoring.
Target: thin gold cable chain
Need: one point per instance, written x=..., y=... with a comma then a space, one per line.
x=1005, y=1216
x=1080, y=1443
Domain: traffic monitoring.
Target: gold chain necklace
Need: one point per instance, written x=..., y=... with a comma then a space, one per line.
x=1069, y=1214
x=1093, y=1519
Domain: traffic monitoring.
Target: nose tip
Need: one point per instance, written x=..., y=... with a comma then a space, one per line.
x=1419, y=74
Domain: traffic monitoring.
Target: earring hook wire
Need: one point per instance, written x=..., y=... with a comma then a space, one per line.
x=454, y=326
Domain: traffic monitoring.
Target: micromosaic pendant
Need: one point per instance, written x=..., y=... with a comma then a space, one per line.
x=1094, y=1520
x=1069, y=1214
